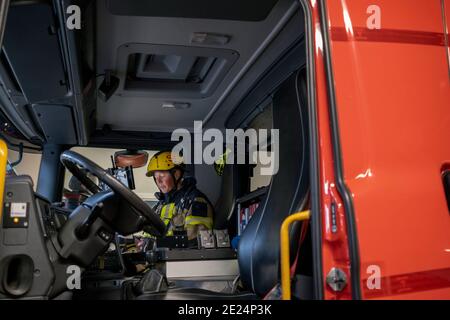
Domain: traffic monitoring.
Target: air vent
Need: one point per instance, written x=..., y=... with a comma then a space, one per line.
x=172, y=71
x=154, y=67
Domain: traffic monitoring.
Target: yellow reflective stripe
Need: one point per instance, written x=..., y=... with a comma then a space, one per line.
x=167, y=214
x=170, y=215
x=171, y=210
x=194, y=220
x=163, y=212
x=163, y=215
x=167, y=211
x=201, y=200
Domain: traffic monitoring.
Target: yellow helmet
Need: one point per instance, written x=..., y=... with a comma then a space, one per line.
x=162, y=161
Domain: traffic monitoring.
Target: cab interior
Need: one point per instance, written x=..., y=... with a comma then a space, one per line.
x=134, y=72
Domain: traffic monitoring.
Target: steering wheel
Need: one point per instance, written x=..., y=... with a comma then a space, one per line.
x=80, y=166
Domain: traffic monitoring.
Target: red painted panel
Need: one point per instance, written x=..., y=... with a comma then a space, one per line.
x=393, y=100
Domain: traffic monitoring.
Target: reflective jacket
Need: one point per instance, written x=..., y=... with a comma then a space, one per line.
x=184, y=209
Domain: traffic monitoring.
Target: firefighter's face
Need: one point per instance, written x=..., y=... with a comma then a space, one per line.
x=164, y=180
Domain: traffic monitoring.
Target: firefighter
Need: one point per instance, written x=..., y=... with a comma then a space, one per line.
x=181, y=205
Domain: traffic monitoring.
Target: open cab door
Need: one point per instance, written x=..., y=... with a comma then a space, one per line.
x=385, y=156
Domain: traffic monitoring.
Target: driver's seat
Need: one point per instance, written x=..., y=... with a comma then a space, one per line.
x=259, y=246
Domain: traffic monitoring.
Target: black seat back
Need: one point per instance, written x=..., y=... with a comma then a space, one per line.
x=259, y=246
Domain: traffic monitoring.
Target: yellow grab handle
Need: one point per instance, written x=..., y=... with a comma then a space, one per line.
x=285, y=263
x=3, y=161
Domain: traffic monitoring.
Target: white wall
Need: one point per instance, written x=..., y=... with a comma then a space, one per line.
x=29, y=165
x=207, y=179
x=145, y=186
x=258, y=180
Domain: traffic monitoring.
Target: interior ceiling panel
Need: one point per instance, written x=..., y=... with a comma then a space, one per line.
x=249, y=10
x=144, y=111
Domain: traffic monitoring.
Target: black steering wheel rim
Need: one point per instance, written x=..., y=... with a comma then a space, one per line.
x=75, y=162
